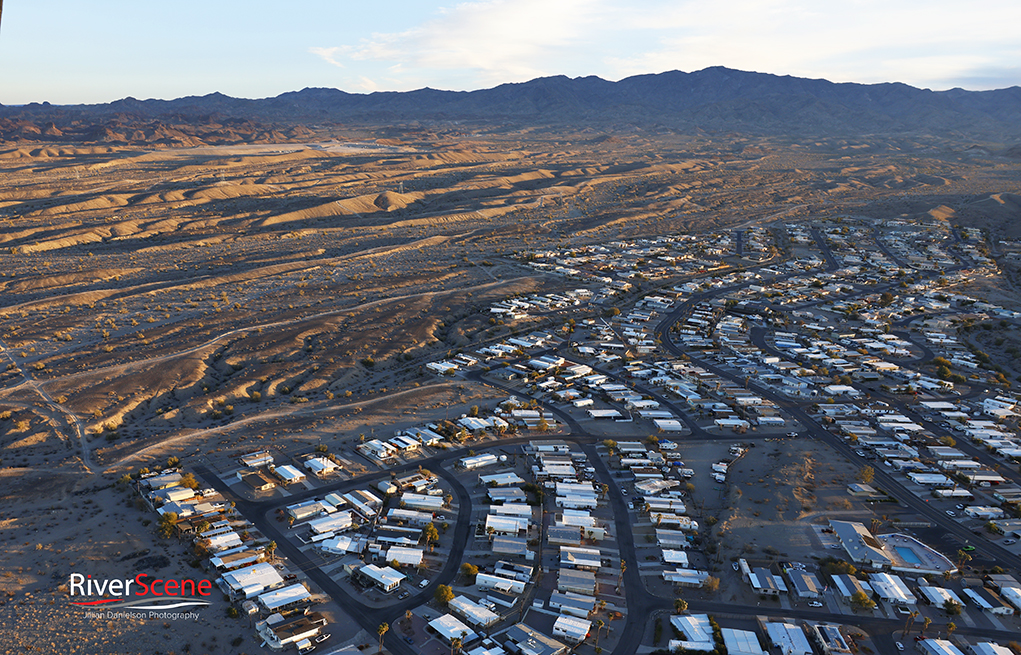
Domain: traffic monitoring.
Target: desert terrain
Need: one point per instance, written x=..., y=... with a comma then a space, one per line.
x=175, y=297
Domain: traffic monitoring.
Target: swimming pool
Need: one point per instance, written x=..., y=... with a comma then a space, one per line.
x=907, y=555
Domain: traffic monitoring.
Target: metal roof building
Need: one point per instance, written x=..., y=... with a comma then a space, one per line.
x=580, y=582
x=476, y=615
x=571, y=628
x=525, y=640
x=384, y=577
x=405, y=556
x=249, y=581
x=891, y=589
x=289, y=596
x=788, y=638
x=741, y=642
x=448, y=627
x=937, y=647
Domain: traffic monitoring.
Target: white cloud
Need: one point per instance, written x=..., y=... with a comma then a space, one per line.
x=484, y=43
x=487, y=42
x=329, y=55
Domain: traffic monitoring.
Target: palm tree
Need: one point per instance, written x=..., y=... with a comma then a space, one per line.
x=950, y=628
x=599, y=626
x=455, y=645
x=925, y=624
x=407, y=615
x=907, y=624
x=382, y=630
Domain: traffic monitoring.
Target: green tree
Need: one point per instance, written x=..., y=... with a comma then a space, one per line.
x=866, y=474
x=469, y=571
x=951, y=607
x=188, y=480
x=680, y=605
x=167, y=523
x=861, y=600
x=444, y=594
x=430, y=534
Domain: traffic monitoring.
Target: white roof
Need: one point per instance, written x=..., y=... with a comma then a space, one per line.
x=891, y=587
x=741, y=642
x=475, y=613
x=288, y=472
x=337, y=544
x=411, y=556
x=938, y=595
x=990, y=648
x=675, y=557
x=262, y=575
x=383, y=574
x=332, y=523
x=450, y=628
x=695, y=627
x=1012, y=595
x=938, y=647
x=571, y=626
x=224, y=541
x=280, y=597
x=789, y=638
x=318, y=464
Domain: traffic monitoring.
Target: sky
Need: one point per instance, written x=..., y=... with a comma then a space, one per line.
x=69, y=51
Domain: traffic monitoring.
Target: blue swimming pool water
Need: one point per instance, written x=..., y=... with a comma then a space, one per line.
x=907, y=555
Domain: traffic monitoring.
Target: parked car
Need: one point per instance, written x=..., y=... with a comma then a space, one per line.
x=1008, y=542
x=815, y=603
x=899, y=645
x=951, y=512
x=423, y=584
x=903, y=610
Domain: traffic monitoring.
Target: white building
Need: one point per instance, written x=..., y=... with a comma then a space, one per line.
x=741, y=642
x=572, y=629
x=476, y=615
x=284, y=598
x=320, y=465
x=449, y=628
x=386, y=578
x=289, y=474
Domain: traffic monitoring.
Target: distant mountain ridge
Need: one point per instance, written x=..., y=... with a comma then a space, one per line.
x=712, y=99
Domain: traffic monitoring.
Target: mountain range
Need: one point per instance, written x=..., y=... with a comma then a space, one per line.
x=715, y=99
